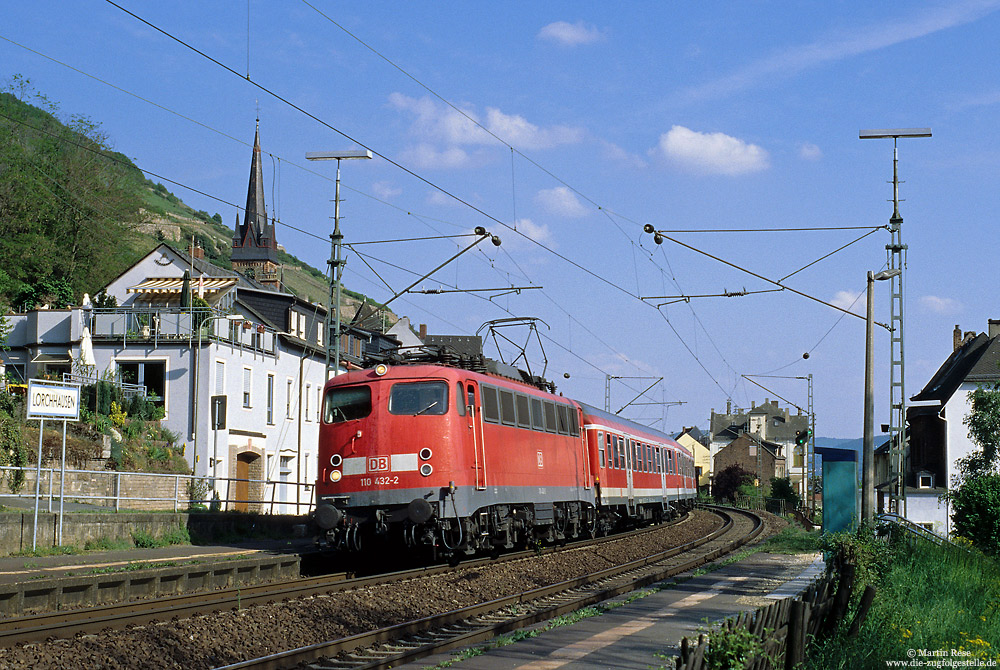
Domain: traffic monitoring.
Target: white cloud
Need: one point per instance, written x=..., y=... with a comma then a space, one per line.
x=850, y=42
x=385, y=190
x=810, y=152
x=711, y=153
x=426, y=156
x=440, y=199
x=943, y=306
x=440, y=123
x=538, y=232
x=852, y=302
x=570, y=34
x=560, y=201
x=615, y=153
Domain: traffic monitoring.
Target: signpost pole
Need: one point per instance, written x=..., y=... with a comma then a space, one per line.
x=38, y=484
x=62, y=483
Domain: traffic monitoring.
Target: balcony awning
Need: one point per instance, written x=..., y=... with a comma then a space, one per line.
x=175, y=284
x=62, y=356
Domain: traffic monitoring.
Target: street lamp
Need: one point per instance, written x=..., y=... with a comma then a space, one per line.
x=336, y=263
x=868, y=448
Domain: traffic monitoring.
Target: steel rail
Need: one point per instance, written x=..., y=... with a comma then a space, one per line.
x=68, y=623
x=401, y=643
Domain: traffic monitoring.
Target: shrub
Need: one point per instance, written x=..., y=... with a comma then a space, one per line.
x=976, y=505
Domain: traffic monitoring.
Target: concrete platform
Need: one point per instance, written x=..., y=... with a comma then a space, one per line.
x=646, y=633
x=41, y=584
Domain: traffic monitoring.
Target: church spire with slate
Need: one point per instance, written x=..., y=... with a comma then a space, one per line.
x=255, y=250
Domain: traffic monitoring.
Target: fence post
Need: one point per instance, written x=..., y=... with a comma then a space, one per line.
x=841, y=599
x=118, y=491
x=795, y=637
x=862, y=614
x=177, y=490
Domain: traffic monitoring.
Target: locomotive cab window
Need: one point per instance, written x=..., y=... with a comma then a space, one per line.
x=459, y=398
x=419, y=398
x=346, y=403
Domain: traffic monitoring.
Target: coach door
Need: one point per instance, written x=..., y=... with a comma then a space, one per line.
x=629, y=463
x=474, y=418
x=660, y=457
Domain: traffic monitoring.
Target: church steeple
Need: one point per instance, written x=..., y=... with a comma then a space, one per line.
x=255, y=250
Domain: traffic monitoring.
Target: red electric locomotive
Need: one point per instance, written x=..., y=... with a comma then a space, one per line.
x=465, y=462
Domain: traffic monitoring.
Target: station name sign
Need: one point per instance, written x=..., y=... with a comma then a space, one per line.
x=49, y=400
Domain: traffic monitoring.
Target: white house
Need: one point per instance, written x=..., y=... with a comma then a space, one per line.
x=938, y=435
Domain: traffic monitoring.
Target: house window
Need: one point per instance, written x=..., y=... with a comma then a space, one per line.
x=151, y=374
x=270, y=400
x=220, y=377
x=308, y=393
x=319, y=333
x=246, y=387
x=288, y=399
x=319, y=400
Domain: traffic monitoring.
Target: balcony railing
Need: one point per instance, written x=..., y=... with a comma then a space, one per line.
x=154, y=326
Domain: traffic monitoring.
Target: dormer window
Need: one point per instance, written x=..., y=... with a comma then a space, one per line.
x=925, y=480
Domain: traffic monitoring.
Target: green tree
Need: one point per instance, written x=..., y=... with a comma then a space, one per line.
x=68, y=203
x=728, y=481
x=975, y=498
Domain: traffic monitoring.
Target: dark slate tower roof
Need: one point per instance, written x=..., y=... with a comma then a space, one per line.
x=254, y=239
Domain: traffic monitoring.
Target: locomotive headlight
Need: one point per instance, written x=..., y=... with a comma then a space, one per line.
x=426, y=469
x=425, y=454
x=336, y=460
x=381, y=369
x=335, y=476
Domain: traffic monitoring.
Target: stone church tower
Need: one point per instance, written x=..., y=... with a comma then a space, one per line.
x=255, y=250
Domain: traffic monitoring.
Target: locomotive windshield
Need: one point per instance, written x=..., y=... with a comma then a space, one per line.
x=346, y=403
x=417, y=398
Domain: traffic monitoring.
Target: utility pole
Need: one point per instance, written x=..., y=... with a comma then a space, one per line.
x=896, y=259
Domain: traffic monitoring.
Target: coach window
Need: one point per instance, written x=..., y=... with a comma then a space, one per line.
x=649, y=458
x=523, y=411
x=346, y=403
x=600, y=449
x=537, y=417
x=550, y=417
x=610, y=450
x=491, y=404
x=563, y=419
x=419, y=398
x=656, y=459
x=460, y=398
x=613, y=454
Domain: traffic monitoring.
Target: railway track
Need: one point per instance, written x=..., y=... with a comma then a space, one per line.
x=65, y=624
x=402, y=643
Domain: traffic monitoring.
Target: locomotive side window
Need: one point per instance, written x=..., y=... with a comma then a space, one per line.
x=563, y=416
x=537, y=418
x=491, y=404
x=412, y=399
x=507, y=414
x=346, y=403
x=471, y=401
x=550, y=417
x=459, y=401
x=523, y=411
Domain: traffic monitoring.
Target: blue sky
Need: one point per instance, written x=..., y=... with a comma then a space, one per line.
x=593, y=119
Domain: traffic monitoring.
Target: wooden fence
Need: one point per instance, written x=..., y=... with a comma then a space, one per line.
x=784, y=627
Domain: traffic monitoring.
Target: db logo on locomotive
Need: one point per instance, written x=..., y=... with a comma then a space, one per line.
x=378, y=464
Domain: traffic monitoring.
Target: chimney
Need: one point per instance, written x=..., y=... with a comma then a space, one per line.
x=753, y=403
x=197, y=251
x=729, y=406
x=423, y=331
x=994, y=328
x=956, y=338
